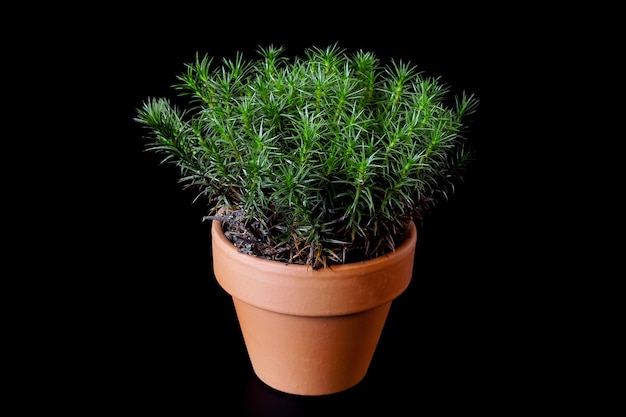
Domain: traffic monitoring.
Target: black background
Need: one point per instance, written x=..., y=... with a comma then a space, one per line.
x=147, y=329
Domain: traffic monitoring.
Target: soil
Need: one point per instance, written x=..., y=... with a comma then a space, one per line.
x=253, y=239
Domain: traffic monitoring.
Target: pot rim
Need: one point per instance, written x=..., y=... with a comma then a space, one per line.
x=301, y=290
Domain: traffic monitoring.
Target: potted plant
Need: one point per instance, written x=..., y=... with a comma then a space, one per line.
x=317, y=171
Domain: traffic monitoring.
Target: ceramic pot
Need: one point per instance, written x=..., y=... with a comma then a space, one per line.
x=306, y=331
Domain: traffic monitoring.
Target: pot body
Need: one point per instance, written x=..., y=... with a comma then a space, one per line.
x=311, y=332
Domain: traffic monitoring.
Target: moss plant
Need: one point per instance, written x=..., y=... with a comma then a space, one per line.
x=318, y=159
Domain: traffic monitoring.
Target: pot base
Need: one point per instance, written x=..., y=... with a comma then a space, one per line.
x=310, y=355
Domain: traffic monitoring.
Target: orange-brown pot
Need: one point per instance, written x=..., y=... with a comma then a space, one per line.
x=311, y=332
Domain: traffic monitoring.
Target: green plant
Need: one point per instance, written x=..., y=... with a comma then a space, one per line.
x=318, y=159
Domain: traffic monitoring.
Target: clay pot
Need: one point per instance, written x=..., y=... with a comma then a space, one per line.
x=311, y=332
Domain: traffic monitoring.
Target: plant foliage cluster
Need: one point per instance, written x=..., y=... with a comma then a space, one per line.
x=320, y=159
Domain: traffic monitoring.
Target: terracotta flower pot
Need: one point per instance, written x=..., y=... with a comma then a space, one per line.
x=311, y=332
